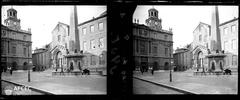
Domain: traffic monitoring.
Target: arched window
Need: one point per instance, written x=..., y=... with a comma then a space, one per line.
x=101, y=59
x=24, y=37
x=14, y=14
x=24, y=51
x=14, y=50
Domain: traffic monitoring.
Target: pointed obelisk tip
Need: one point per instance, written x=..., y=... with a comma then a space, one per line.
x=215, y=33
x=73, y=28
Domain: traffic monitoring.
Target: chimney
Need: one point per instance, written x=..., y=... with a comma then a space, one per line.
x=170, y=29
x=137, y=21
x=29, y=29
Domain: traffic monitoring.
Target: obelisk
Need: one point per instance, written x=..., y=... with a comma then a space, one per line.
x=215, y=32
x=74, y=35
x=215, y=59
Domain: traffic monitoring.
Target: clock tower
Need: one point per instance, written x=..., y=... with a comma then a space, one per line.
x=153, y=21
x=12, y=20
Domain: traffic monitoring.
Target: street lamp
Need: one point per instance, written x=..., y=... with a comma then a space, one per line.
x=170, y=61
x=170, y=68
x=170, y=74
x=29, y=67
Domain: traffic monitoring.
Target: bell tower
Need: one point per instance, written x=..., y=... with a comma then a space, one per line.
x=12, y=20
x=153, y=21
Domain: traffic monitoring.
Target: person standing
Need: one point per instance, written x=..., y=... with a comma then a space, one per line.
x=141, y=69
x=152, y=71
x=10, y=69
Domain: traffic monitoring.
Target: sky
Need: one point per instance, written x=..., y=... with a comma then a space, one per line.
x=184, y=19
x=43, y=19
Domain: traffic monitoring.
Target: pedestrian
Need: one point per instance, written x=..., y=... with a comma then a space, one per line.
x=10, y=70
x=152, y=70
x=56, y=69
x=141, y=69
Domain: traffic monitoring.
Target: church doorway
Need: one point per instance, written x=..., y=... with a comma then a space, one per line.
x=59, y=60
x=200, y=60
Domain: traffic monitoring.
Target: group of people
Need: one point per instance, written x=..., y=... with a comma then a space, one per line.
x=39, y=68
x=70, y=69
x=207, y=70
x=10, y=69
x=146, y=68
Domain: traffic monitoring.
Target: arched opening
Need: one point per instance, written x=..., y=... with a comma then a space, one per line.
x=58, y=59
x=25, y=66
x=14, y=65
x=166, y=65
x=213, y=66
x=144, y=65
x=221, y=65
x=25, y=63
x=71, y=66
x=155, y=65
x=79, y=65
x=200, y=60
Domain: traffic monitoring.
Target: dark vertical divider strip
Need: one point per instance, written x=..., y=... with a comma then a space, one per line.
x=120, y=44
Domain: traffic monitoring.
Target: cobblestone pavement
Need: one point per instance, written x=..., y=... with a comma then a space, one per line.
x=209, y=84
x=83, y=84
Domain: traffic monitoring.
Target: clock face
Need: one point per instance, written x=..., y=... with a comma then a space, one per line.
x=149, y=21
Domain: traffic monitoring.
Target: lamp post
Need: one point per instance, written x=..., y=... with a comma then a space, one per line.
x=170, y=61
x=29, y=67
x=170, y=68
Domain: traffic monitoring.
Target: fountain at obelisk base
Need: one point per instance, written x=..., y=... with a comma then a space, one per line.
x=215, y=53
x=74, y=55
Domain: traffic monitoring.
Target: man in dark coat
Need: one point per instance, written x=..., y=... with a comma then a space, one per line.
x=141, y=69
x=10, y=69
x=152, y=71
